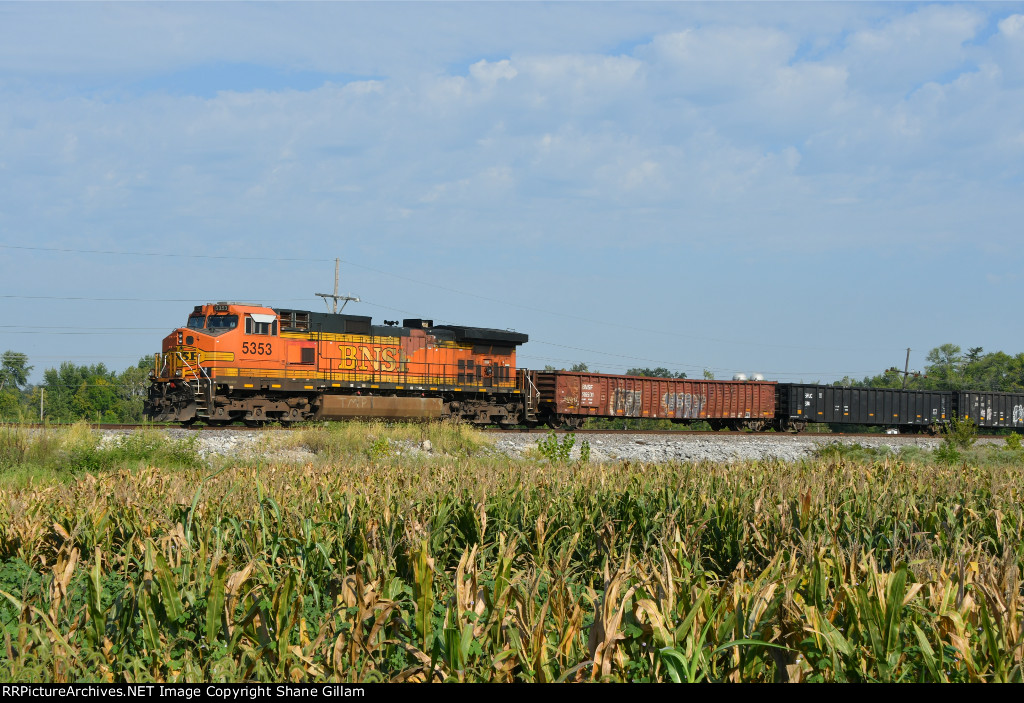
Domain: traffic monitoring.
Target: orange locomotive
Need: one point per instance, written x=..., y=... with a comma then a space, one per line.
x=256, y=364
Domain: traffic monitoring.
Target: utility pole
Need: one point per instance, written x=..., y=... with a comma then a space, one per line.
x=42, y=392
x=906, y=370
x=334, y=296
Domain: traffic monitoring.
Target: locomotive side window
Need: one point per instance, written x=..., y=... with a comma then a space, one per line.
x=260, y=324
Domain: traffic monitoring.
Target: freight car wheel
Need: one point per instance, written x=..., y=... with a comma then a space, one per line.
x=189, y=422
x=716, y=425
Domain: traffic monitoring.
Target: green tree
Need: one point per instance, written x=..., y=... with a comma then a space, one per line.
x=79, y=392
x=11, y=403
x=133, y=384
x=14, y=370
x=991, y=372
x=944, y=368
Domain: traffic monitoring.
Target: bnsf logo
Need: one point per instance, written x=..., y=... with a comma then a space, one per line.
x=368, y=358
x=190, y=354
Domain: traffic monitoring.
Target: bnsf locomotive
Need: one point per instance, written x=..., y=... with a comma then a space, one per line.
x=256, y=364
x=249, y=363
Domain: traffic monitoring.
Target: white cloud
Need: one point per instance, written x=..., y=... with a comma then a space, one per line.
x=909, y=50
x=1012, y=26
x=492, y=71
x=697, y=116
x=717, y=62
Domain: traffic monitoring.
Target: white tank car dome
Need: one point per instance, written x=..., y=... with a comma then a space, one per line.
x=739, y=377
x=757, y=377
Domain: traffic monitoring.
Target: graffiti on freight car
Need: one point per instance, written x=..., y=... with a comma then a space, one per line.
x=625, y=402
x=1018, y=414
x=683, y=404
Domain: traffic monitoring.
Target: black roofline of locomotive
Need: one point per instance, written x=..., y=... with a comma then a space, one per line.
x=341, y=323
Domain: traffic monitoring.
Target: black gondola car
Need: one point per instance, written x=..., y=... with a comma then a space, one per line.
x=987, y=409
x=799, y=403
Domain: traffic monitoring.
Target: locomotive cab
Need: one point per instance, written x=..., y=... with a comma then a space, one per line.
x=214, y=339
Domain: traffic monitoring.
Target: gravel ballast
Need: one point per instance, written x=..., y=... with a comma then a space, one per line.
x=270, y=445
x=725, y=448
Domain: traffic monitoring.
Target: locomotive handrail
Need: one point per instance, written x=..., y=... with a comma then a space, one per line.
x=202, y=371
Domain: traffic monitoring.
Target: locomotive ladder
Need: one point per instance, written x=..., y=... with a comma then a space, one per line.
x=531, y=397
x=201, y=398
x=200, y=394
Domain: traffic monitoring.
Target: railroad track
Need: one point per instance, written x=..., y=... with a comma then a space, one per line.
x=495, y=430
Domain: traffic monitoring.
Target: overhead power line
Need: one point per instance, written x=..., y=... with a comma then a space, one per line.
x=160, y=254
x=139, y=300
x=56, y=326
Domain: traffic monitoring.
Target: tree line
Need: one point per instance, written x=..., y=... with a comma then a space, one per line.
x=948, y=368
x=72, y=392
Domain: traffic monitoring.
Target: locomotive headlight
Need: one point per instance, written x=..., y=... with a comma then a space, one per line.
x=179, y=337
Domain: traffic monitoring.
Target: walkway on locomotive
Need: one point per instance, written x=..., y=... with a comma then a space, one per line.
x=227, y=340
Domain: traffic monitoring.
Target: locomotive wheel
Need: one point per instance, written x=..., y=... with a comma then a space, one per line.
x=218, y=423
x=255, y=423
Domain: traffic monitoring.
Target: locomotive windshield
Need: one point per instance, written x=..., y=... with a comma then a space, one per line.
x=196, y=322
x=218, y=324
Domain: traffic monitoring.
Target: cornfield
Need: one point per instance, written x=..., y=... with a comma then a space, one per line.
x=370, y=565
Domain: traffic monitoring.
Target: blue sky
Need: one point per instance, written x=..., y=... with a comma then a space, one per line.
x=798, y=189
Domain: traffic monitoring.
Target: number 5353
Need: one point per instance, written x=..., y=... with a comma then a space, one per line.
x=256, y=347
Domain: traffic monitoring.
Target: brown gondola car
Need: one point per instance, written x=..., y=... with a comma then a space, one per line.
x=567, y=398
